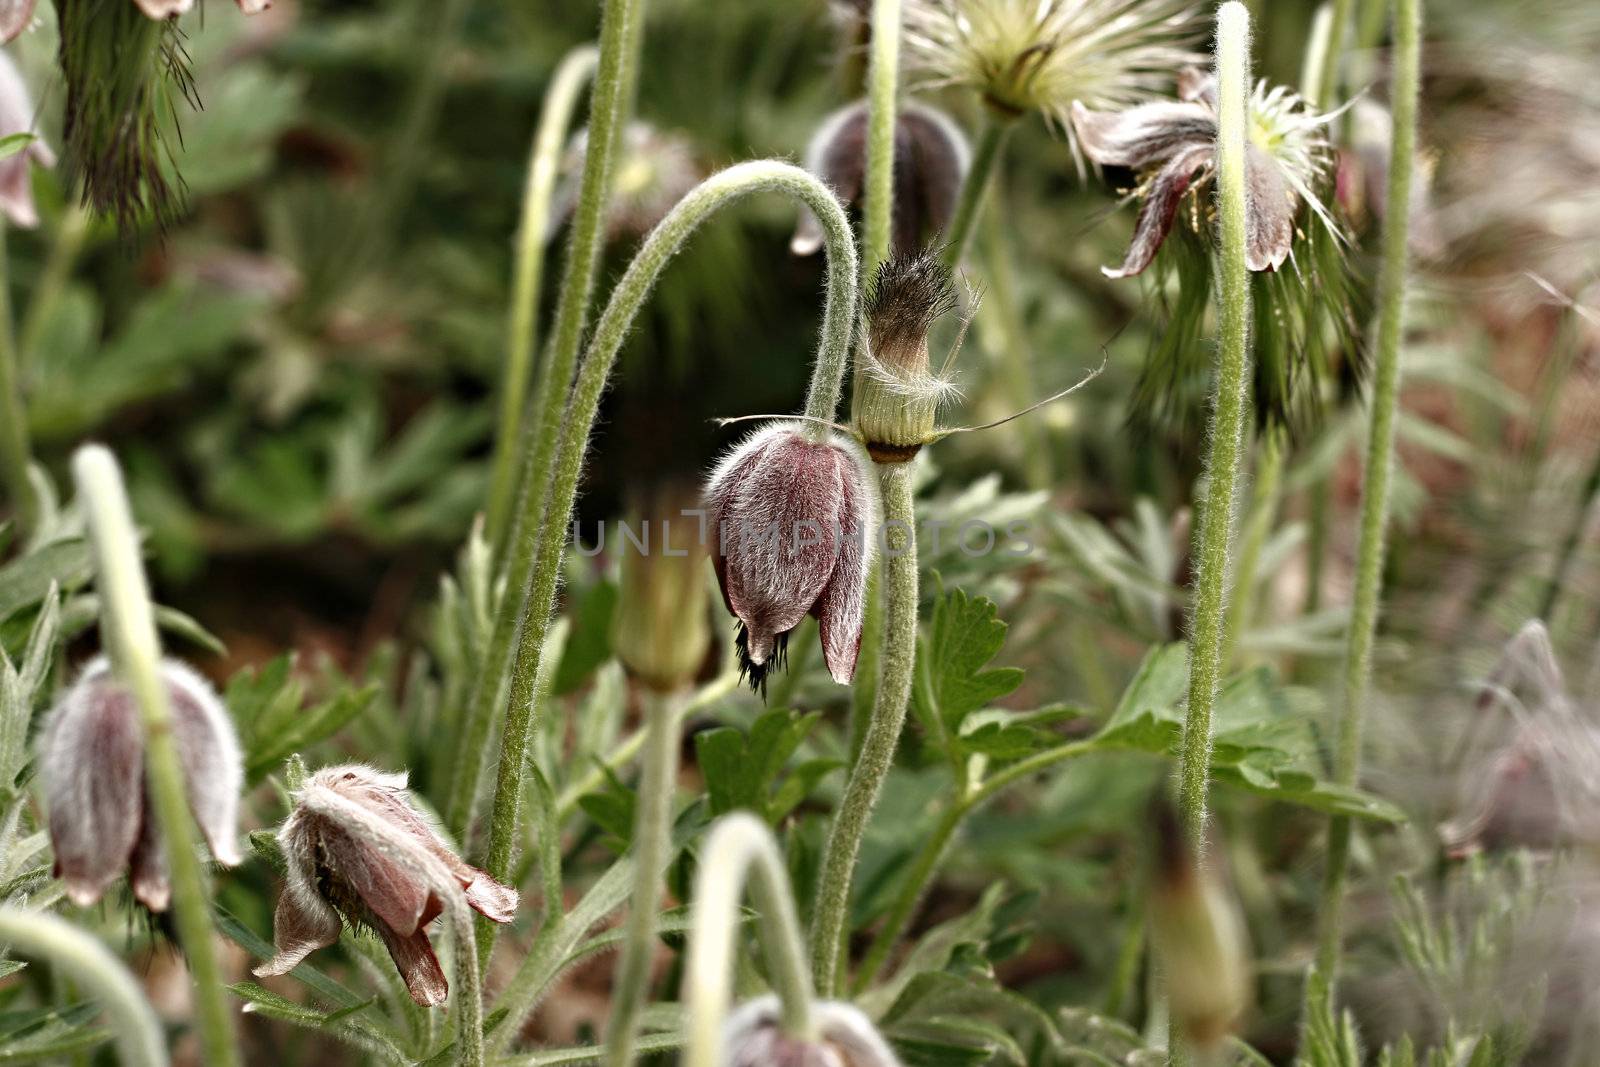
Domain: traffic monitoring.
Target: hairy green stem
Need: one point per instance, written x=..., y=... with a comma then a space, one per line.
x=1214, y=536
x=920, y=874
x=740, y=847
x=1404, y=87
x=991, y=142
x=899, y=571
x=652, y=847
x=707, y=198
x=128, y=630
x=1263, y=510
x=1556, y=584
x=544, y=163
x=883, y=71
x=15, y=452
x=1327, y=67
x=537, y=446
x=91, y=965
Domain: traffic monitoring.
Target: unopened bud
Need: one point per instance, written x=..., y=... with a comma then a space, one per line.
x=660, y=630
x=897, y=396
x=1199, y=937
x=91, y=756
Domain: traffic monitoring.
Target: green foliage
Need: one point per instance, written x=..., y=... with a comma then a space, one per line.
x=749, y=771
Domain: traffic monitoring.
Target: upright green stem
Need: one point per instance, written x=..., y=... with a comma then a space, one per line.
x=15, y=453
x=1214, y=537
x=1327, y=68
x=1568, y=551
x=883, y=70
x=738, y=847
x=899, y=572
x=1263, y=509
x=1405, y=81
x=100, y=974
x=710, y=196
x=544, y=163
x=71, y=233
x=991, y=141
x=538, y=439
x=652, y=842
x=128, y=630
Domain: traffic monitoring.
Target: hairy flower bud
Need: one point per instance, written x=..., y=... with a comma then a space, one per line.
x=1199, y=936
x=338, y=866
x=753, y=1037
x=930, y=161
x=896, y=394
x=660, y=631
x=91, y=756
x=17, y=116
x=792, y=521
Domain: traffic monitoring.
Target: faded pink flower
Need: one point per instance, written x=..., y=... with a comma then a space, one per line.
x=1171, y=147
x=91, y=756
x=930, y=162
x=753, y=1037
x=16, y=116
x=338, y=866
x=794, y=522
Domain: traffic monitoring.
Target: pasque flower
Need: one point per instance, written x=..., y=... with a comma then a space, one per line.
x=91, y=756
x=1171, y=146
x=16, y=170
x=1044, y=55
x=930, y=160
x=341, y=858
x=845, y=1038
x=17, y=15
x=792, y=519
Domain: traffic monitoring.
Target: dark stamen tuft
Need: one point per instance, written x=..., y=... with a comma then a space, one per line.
x=756, y=673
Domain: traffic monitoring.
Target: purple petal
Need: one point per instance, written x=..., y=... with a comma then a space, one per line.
x=209, y=753
x=1160, y=206
x=1198, y=86
x=1140, y=136
x=303, y=923
x=147, y=867
x=92, y=762
x=414, y=959
x=394, y=893
x=1269, y=220
x=844, y=599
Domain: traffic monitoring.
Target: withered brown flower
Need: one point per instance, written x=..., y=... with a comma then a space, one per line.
x=794, y=521
x=91, y=757
x=340, y=848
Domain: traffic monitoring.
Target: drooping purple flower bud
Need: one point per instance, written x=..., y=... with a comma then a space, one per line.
x=754, y=1037
x=930, y=161
x=338, y=867
x=17, y=116
x=91, y=756
x=793, y=521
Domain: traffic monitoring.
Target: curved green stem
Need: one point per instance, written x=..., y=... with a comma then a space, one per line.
x=920, y=874
x=128, y=630
x=544, y=163
x=537, y=445
x=652, y=844
x=15, y=451
x=882, y=733
x=1380, y=462
x=991, y=141
x=883, y=69
x=740, y=847
x=90, y=964
x=707, y=198
x=1213, y=539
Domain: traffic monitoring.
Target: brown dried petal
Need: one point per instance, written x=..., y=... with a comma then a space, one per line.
x=1144, y=135
x=208, y=751
x=415, y=960
x=92, y=762
x=1158, y=210
x=1269, y=218
x=302, y=923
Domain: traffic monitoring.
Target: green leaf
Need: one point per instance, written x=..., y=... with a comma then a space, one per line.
x=590, y=643
x=745, y=772
x=13, y=143
x=312, y=726
x=25, y=580
x=961, y=637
